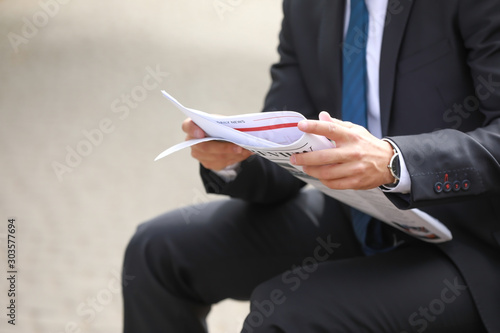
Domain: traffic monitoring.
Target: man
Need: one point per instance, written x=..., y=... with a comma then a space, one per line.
x=432, y=91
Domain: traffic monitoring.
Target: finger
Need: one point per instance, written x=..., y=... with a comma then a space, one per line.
x=332, y=171
x=333, y=176
x=217, y=148
x=331, y=129
x=343, y=176
x=219, y=161
x=325, y=116
x=321, y=157
x=192, y=130
x=348, y=183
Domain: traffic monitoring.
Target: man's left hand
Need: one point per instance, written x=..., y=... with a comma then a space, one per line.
x=358, y=162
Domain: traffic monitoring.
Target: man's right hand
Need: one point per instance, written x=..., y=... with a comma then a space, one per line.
x=213, y=155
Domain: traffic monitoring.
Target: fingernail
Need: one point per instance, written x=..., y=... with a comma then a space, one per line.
x=324, y=116
x=293, y=160
x=238, y=150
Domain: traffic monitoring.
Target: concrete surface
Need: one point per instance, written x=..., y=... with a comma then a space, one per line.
x=82, y=118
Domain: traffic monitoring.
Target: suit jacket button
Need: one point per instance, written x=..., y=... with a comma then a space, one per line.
x=438, y=187
x=447, y=186
x=465, y=185
x=457, y=186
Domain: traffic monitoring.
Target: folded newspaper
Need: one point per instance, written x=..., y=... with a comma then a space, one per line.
x=275, y=136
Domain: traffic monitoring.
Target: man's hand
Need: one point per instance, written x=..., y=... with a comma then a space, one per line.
x=358, y=162
x=214, y=155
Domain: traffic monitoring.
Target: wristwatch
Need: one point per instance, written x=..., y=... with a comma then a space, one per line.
x=394, y=166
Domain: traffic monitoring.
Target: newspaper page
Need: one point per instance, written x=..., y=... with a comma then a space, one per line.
x=275, y=136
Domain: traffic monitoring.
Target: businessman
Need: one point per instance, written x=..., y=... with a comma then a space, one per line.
x=410, y=93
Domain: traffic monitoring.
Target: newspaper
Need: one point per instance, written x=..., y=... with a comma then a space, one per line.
x=275, y=136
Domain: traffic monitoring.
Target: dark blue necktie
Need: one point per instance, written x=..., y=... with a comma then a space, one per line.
x=354, y=94
x=354, y=65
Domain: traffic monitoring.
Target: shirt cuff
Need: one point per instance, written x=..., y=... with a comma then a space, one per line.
x=404, y=184
x=229, y=173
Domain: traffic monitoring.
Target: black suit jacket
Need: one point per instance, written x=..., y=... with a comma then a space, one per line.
x=440, y=103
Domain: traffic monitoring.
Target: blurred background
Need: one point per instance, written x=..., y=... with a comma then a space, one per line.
x=82, y=119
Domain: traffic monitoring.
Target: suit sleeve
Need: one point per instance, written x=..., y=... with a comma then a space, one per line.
x=258, y=179
x=449, y=165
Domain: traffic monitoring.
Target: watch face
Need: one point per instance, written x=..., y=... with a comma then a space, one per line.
x=395, y=167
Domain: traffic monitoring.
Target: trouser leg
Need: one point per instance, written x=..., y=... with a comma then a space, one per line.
x=412, y=289
x=223, y=250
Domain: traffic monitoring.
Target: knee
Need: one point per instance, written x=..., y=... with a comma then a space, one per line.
x=275, y=307
x=268, y=309
x=142, y=240
x=150, y=245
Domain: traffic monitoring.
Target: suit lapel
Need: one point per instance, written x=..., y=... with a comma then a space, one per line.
x=329, y=52
x=397, y=17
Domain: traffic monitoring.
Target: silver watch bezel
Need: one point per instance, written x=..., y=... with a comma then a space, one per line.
x=392, y=167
